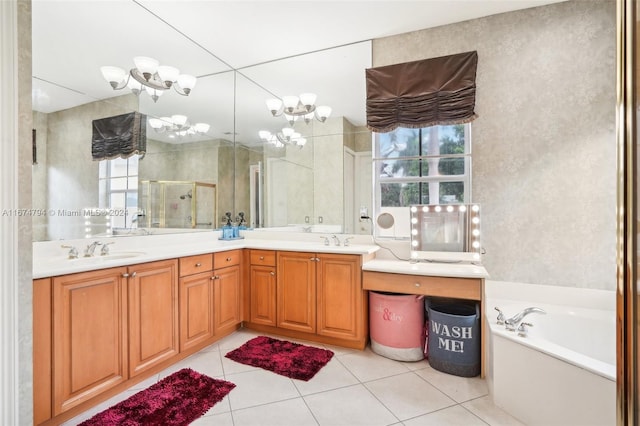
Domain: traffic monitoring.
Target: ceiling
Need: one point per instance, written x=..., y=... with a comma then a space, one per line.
x=276, y=47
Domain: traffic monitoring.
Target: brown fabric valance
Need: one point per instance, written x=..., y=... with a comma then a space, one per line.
x=438, y=91
x=119, y=136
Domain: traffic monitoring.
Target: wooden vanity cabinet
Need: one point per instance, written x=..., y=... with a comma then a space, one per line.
x=341, y=302
x=90, y=341
x=227, y=290
x=196, y=300
x=322, y=294
x=153, y=314
x=296, y=291
x=262, y=291
x=110, y=325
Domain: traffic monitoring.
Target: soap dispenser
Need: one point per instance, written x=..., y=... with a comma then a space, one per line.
x=227, y=229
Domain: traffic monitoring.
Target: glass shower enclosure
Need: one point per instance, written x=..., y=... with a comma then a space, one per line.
x=177, y=204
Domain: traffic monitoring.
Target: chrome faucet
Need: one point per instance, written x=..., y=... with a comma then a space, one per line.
x=336, y=240
x=513, y=322
x=88, y=252
x=346, y=241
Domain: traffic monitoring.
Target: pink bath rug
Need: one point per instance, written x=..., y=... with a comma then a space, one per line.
x=288, y=359
x=176, y=400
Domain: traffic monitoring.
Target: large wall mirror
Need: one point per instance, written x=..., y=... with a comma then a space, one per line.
x=187, y=182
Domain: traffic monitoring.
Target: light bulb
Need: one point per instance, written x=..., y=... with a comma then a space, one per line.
x=179, y=120
x=264, y=135
x=186, y=82
x=113, y=75
x=414, y=209
x=290, y=102
x=323, y=112
x=201, y=127
x=168, y=74
x=155, y=123
x=274, y=105
x=308, y=100
x=147, y=66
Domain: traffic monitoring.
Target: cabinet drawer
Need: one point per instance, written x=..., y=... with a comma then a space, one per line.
x=226, y=258
x=459, y=288
x=195, y=264
x=263, y=257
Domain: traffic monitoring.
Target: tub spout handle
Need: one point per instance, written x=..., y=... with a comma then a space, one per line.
x=500, y=318
x=523, y=330
x=512, y=323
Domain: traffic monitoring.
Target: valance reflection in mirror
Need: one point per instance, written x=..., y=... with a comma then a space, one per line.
x=445, y=232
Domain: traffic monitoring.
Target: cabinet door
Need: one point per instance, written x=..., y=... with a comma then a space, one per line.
x=263, y=295
x=296, y=291
x=340, y=297
x=90, y=341
x=153, y=314
x=227, y=297
x=196, y=309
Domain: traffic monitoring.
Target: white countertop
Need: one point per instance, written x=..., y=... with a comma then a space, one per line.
x=50, y=259
x=437, y=269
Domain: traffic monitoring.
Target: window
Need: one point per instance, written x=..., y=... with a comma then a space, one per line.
x=118, y=189
x=431, y=165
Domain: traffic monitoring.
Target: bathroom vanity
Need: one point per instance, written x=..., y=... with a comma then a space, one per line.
x=104, y=323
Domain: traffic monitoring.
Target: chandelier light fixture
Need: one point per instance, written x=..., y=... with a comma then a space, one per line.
x=177, y=126
x=287, y=136
x=150, y=75
x=294, y=107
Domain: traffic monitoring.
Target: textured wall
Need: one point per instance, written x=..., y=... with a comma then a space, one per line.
x=72, y=173
x=544, y=152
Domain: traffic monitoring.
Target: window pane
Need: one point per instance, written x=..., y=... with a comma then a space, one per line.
x=399, y=168
x=133, y=165
x=118, y=183
x=102, y=168
x=118, y=167
x=401, y=194
x=451, y=192
x=132, y=182
x=399, y=143
x=443, y=140
x=443, y=166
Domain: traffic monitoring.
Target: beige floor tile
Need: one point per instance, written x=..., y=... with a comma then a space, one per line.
x=487, y=411
x=293, y=412
x=223, y=419
x=334, y=375
x=408, y=395
x=460, y=389
x=259, y=387
x=353, y=405
x=367, y=366
x=208, y=363
x=452, y=416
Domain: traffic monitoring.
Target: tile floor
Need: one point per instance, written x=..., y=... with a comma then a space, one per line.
x=354, y=388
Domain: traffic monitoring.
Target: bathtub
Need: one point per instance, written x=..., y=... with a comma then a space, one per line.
x=563, y=372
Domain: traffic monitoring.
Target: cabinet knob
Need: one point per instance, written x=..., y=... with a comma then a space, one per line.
x=261, y=257
x=133, y=274
x=228, y=259
x=215, y=277
x=125, y=275
x=272, y=273
x=198, y=265
x=417, y=284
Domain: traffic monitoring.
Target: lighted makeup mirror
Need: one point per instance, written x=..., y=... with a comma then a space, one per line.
x=447, y=232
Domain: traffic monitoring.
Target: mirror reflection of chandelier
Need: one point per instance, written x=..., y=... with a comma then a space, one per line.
x=177, y=126
x=294, y=107
x=287, y=136
x=148, y=73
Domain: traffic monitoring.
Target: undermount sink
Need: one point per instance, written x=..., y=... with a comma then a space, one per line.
x=116, y=255
x=119, y=255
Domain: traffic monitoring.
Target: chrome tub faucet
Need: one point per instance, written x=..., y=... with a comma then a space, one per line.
x=512, y=323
